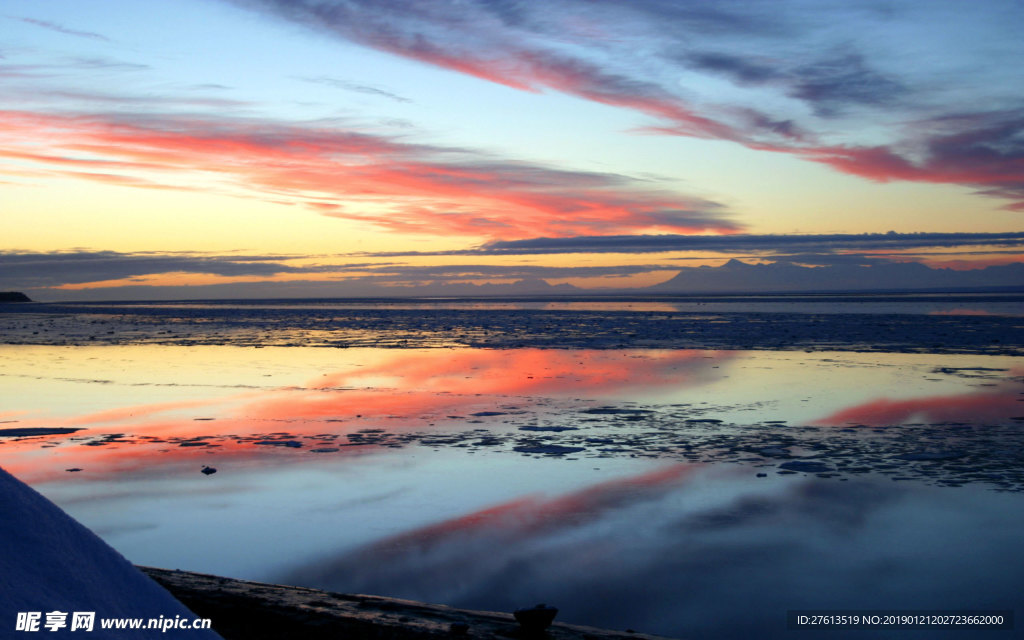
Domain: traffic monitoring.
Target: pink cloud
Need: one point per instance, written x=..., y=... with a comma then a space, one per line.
x=968, y=265
x=423, y=189
x=973, y=151
x=529, y=53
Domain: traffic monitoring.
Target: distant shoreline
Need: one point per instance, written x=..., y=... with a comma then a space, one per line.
x=14, y=296
x=584, y=296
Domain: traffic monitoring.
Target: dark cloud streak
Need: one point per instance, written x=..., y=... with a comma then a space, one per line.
x=748, y=242
x=24, y=270
x=30, y=270
x=834, y=88
x=829, y=85
x=53, y=26
x=355, y=87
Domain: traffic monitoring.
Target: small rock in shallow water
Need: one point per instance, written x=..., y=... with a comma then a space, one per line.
x=536, y=619
x=807, y=466
x=208, y=470
x=931, y=455
x=533, y=428
x=548, y=449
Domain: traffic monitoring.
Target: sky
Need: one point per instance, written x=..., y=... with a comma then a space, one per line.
x=330, y=147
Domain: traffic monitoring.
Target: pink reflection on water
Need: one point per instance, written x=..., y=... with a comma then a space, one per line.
x=409, y=390
x=434, y=384
x=532, y=514
x=998, y=406
x=136, y=412
x=492, y=536
x=535, y=370
x=986, y=407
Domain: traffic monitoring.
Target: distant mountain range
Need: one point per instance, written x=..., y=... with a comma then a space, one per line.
x=732, y=277
x=308, y=289
x=782, y=277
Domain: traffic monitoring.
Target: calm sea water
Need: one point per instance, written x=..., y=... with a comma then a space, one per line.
x=686, y=492
x=952, y=323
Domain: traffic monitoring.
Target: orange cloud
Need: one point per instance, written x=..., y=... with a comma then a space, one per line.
x=967, y=265
x=393, y=185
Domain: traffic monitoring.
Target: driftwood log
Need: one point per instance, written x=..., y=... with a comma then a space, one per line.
x=244, y=610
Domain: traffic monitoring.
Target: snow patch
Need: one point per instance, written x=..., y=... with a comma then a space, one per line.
x=50, y=562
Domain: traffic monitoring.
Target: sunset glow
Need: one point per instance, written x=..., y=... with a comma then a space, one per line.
x=317, y=149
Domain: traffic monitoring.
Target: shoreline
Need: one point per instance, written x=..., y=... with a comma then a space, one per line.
x=242, y=609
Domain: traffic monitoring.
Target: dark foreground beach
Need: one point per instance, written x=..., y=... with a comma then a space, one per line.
x=685, y=469
x=246, y=610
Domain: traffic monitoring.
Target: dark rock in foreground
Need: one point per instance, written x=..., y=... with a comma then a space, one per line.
x=536, y=619
x=240, y=609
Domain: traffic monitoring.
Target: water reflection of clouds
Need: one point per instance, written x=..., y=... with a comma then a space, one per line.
x=527, y=371
x=676, y=551
x=685, y=550
x=1000, y=404
x=404, y=390
x=676, y=405
x=972, y=408
x=440, y=557
x=136, y=413
x=591, y=404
